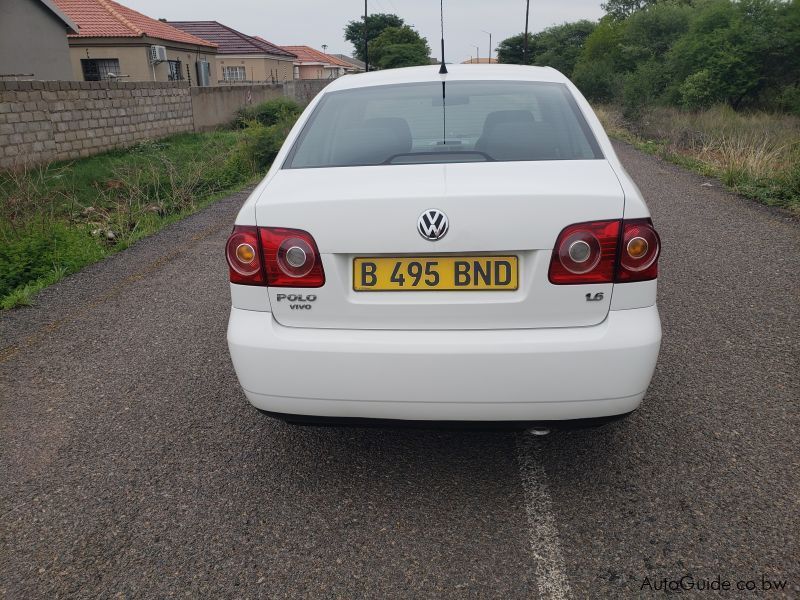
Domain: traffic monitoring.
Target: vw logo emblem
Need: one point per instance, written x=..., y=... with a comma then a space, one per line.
x=433, y=224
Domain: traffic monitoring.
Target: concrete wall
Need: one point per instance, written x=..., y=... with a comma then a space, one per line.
x=32, y=41
x=303, y=91
x=215, y=106
x=59, y=120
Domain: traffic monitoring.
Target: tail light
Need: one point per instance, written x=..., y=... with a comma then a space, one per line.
x=291, y=258
x=585, y=253
x=274, y=256
x=244, y=256
x=605, y=252
x=639, y=250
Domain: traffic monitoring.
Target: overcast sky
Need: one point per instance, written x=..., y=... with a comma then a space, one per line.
x=318, y=22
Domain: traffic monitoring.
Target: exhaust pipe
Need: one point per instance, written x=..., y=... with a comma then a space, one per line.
x=537, y=431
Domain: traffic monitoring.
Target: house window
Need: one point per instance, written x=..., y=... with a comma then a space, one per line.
x=99, y=69
x=175, y=71
x=236, y=73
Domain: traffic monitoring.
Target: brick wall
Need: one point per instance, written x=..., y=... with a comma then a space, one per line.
x=43, y=121
x=58, y=120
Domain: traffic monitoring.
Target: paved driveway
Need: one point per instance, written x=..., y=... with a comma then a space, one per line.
x=131, y=465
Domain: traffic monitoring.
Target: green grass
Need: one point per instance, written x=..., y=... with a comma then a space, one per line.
x=755, y=154
x=57, y=218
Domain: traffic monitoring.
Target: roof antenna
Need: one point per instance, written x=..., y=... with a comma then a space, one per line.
x=443, y=68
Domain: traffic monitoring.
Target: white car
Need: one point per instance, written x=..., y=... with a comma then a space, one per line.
x=457, y=247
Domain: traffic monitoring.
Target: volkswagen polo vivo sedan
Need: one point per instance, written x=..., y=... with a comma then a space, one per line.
x=445, y=247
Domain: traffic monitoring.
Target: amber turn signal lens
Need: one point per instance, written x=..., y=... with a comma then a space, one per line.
x=637, y=247
x=241, y=252
x=245, y=253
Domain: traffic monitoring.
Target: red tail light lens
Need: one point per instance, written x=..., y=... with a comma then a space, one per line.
x=639, y=250
x=291, y=258
x=588, y=253
x=585, y=253
x=244, y=257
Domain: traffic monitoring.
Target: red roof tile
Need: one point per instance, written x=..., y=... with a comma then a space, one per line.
x=106, y=18
x=228, y=40
x=308, y=54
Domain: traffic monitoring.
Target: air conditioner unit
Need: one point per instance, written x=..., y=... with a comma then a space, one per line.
x=158, y=54
x=203, y=73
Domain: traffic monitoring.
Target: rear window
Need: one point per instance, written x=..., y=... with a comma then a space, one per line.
x=460, y=121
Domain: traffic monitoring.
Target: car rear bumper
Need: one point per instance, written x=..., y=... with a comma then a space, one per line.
x=496, y=375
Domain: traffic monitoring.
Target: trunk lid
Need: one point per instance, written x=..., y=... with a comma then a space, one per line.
x=504, y=208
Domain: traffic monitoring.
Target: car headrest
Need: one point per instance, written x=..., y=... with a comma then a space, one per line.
x=372, y=142
x=398, y=126
x=521, y=141
x=507, y=116
x=500, y=117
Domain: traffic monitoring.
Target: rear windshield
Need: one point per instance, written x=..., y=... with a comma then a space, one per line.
x=460, y=121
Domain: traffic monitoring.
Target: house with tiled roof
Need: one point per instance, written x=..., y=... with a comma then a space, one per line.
x=479, y=61
x=117, y=42
x=241, y=57
x=359, y=66
x=33, y=41
x=313, y=64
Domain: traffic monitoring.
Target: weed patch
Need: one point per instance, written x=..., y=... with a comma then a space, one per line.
x=57, y=218
x=755, y=154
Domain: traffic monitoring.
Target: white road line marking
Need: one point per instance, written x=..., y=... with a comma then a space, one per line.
x=551, y=573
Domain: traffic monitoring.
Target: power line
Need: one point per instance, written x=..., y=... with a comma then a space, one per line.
x=366, y=38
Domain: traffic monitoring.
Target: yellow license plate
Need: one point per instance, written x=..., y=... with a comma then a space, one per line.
x=435, y=273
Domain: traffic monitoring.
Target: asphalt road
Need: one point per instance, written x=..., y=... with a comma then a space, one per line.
x=131, y=464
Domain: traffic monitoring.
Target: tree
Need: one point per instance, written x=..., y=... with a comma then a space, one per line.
x=598, y=81
x=557, y=47
x=650, y=33
x=560, y=46
x=620, y=9
x=597, y=71
x=510, y=50
x=399, y=47
x=376, y=24
x=689, y=53
x=733, y=52
x=645, y=39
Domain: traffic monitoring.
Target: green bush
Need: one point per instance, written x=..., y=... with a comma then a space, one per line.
x=261, y=143
x=699, y=90
x=268, y=113
x=643, y=87
x=597, y=81
x=788, y=99
x=37, y=251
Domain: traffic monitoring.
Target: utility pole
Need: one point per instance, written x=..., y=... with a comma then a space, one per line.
x=478, y=54
x=525, y=41
x=490, y=44
x=366, y=40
